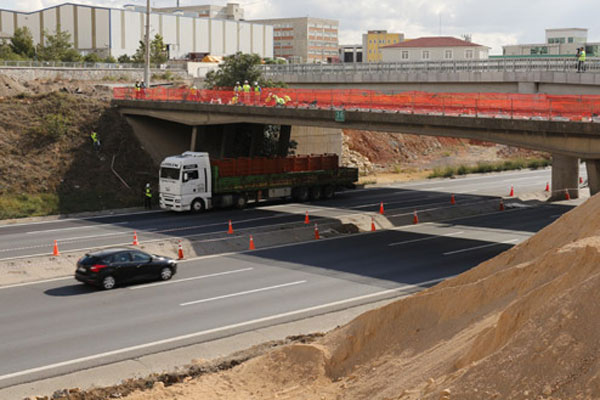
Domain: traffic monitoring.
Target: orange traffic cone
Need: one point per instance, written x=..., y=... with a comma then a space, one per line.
x=251, y=244
x=567, y=195
x=452, y=200
x=306, y=219
x=373, y=229
x=415, y=218
x=381, y=211
x=55, y=251
x=501, y=205
x=547, y=187
x=317, y=236
x=230, y=230
x=512, y=191
x=180, y=252
x=135, y=239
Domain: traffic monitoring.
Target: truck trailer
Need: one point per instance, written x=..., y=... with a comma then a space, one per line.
x=193, y=182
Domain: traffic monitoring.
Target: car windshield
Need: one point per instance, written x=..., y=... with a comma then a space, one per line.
x=169, y=173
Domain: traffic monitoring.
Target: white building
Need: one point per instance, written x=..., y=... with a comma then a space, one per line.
x=559, y=42
x=436, y=48
x=119, y=31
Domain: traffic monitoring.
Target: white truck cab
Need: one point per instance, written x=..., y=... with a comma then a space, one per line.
x=185, y=182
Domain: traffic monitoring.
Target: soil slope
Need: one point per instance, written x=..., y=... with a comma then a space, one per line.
x=523, y=325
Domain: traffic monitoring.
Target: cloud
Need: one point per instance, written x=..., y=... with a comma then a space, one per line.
x=490, y=22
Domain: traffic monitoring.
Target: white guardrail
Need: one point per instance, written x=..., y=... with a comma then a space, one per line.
x=491, y=65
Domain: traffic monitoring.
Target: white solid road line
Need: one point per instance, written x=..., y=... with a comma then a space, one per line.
x=194, y=278
x=405, y=288
x=226, y=296
x=427, y=238
x=480, y=247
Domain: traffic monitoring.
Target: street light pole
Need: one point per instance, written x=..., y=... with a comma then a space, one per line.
x=147, y=66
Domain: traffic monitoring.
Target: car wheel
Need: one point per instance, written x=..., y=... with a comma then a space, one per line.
x=166, y=273
x=328, y=192
x=197, y=206
x=300, y=194
x=315, y=193
x=241, y=201
x=108, y=282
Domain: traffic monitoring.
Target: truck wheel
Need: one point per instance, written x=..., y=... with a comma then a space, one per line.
x=328, y=192
x=300, y=194
x=241, y=201
x=315, y=193
x=197, y=206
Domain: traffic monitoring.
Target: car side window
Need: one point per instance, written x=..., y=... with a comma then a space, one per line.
x=107, y=260
x=121, y=257
x=140, y=257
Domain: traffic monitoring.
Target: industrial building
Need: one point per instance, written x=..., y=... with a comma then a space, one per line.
x=351, y=53
x=559, y=42
x=304, y=40
x=112, y=31
x=374, y=40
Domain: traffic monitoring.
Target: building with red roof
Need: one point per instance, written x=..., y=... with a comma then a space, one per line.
x=434, y=48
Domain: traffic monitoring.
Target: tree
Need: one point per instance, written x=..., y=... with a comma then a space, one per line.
x=158, y=51
x=58, y=47
x=110, y=60
x=6, y=52
x=21, y=43
x=124, y=59
x=235, y=68
x=92, y=58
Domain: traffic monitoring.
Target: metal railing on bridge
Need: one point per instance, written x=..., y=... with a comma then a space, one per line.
x=490, y=65
x=485, y=105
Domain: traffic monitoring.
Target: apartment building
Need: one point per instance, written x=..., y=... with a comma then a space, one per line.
x=373, y=41
x=304, y=40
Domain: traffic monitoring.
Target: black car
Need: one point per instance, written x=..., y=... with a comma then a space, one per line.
x=108, y=268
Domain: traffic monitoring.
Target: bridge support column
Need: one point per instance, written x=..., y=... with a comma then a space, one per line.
x=565, y=176
x=256, y=139
x=228, y=135
x=194, y=138
x=593, y=173
x=284, y=140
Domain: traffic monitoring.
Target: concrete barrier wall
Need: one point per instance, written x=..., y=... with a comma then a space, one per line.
x=317, y=140
x=83, y=74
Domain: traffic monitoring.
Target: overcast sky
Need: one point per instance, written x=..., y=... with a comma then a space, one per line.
x=490, y=22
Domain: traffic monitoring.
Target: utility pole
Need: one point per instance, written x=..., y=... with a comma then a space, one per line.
x=147, y=66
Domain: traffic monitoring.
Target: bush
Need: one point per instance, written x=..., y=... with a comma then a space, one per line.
x=165, y=76
x=55, y=126
x=485, y=167
x=92, y=58
x=124, y=59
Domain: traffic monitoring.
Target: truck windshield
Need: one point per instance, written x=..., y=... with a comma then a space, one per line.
x=169, y=173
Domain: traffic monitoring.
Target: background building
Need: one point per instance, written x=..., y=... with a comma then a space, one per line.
x=374, y=40
x=559, y=42
x=231, y=11
x=304, y=40
x=436, y=48
x=351, y=53
x=110, y=31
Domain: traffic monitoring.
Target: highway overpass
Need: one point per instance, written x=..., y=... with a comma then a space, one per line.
x=523, y=75
x=567, y=141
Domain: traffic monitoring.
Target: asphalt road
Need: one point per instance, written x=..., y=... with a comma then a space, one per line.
x=30, y=239
x=52, y=328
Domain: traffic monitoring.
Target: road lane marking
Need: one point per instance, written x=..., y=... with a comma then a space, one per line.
x=194, y=278
x=226, y=296
x=480, y=247
x=78, y=227
x=427, y=238
x=406, y=288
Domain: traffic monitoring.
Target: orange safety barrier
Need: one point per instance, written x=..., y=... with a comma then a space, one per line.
x=492, y=105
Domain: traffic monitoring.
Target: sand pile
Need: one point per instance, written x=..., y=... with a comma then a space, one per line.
x=523, y=325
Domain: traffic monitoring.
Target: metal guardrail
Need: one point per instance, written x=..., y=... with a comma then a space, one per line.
x=61, y=64
x=490, y=65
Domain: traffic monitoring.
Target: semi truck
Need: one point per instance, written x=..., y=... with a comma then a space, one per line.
x=194, y=182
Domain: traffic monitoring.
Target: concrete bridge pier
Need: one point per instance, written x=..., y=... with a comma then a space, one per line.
x=593, y=174
x=565, y=177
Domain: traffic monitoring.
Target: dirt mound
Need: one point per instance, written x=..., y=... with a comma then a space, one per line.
x=520, y=326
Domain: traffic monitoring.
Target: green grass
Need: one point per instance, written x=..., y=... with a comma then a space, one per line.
x=28, y=205
x=484, y=167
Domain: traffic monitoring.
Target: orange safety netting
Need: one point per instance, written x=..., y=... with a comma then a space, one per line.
x=498, y=105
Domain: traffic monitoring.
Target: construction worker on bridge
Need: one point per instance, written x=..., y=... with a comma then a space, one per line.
x=279, y=101
x=257, y=93
x=194, y=93
x=581, y=60
x=246, y=88
x=148, y=197
x=137, y=89
x=237, y=88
